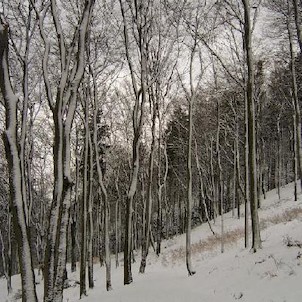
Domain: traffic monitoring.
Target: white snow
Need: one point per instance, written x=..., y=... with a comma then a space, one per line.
x=272, y=274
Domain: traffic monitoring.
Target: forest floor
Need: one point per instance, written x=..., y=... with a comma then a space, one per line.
x=273, y=274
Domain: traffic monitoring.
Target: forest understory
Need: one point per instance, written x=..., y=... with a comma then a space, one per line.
x=274, y=273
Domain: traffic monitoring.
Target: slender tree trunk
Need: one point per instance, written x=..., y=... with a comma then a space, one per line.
x=202, y=189
x=146, y=240
x=295, y=147
x=222, y=214
x=279, y=157
x=137, y=119
x=100, y=230
x=189, y=193
x=256, y=240
x=234, y=180
x=159, y=191
x=117, y=246
x=17, y=197
x=161, y=186
x=238, y=184
x=103, y=188
x=5, y=263
x=73, y=245
x=9, y=254
x=213, y=183
x=247, y=180
x=90, y=216
x=118, y=206
x=159, y=220
x=295, y=93
x=220, y=181
x=73, y=224
x=84, y=205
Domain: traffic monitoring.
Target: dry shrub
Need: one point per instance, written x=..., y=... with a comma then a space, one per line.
x=289, y=242
x=287, y=215
x=208, y=244
x=231, y=237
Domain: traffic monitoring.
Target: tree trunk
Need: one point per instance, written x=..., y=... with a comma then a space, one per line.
x=213, y=183
x=146, y=239
x=17, y=197
x=202, y=189
x=5, y=263
x=161, y=185
x=117, y=226
x=102, y=187
x=295, y=147
x=73, y=245
x=118, y=206
x=279, y=157
x=234, y=179
x=252, y=165
x=90, y=216
x=137, y=119
x=189, y=193
x=63, y=114
x=220, y=181
x=83, y=208
x=295, y=91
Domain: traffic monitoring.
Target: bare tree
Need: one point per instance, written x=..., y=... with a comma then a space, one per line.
x=193, y=24
x=138, y=11
x=252, y=165
x=297, y=13
x=17, y=191
x=62, y=105
x=84, y=201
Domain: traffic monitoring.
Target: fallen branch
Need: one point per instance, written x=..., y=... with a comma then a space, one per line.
x=288, y=241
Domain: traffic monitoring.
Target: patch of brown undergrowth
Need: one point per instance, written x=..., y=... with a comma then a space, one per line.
x=287, y=215
x=231, y=237
x=208, y=244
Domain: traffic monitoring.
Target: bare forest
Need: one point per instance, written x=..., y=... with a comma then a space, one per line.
x=127, y=123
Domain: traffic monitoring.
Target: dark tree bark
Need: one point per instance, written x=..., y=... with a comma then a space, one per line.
x=252, y=164
x=137, y=116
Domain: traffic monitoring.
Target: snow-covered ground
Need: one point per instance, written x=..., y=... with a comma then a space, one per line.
x=273, y=274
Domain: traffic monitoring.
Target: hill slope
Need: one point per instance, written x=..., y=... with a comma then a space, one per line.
x=272, y=274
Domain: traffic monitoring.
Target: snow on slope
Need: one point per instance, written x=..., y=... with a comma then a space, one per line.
x=273, y=274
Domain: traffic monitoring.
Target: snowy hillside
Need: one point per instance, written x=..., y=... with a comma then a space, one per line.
x=272, y=274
